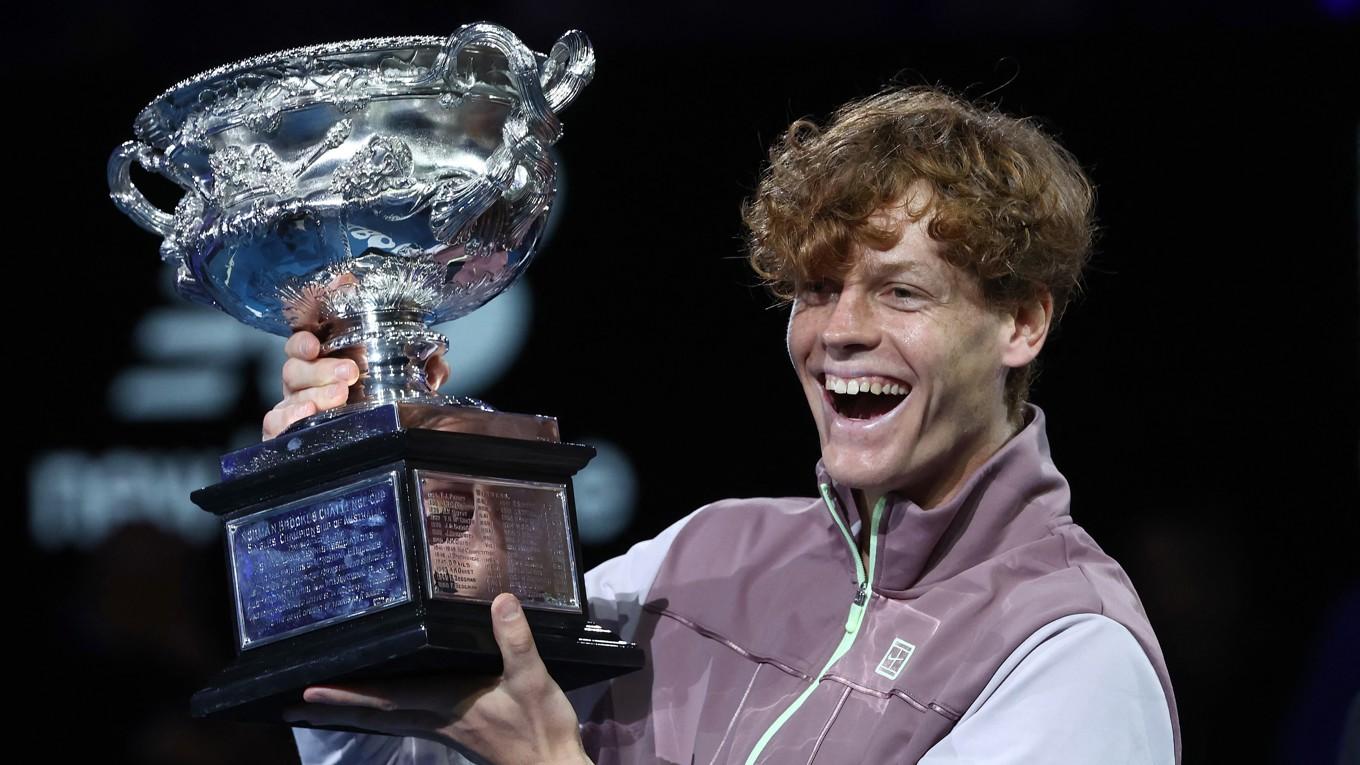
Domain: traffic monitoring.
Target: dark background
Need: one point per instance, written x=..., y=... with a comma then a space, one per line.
x=1203, y=396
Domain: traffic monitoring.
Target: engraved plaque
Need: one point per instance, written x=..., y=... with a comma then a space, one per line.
x=486, y=536
x=318, y=560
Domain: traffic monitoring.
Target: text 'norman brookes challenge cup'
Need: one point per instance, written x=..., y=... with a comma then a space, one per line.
x=364, y=191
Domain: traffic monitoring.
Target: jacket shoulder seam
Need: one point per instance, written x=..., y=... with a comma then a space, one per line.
x=725, y=641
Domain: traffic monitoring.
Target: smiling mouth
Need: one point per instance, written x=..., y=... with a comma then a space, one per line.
x=864, y=398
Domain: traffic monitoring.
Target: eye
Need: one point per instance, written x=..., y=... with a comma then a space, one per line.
x=902, y=296
x=818, y=290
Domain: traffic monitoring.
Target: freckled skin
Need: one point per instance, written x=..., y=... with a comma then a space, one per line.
x=907, y=314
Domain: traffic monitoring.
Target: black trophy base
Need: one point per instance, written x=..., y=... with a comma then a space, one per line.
x=260, y=688
x=369, y=548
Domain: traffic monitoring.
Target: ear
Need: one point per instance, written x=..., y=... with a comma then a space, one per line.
x=1024, y=330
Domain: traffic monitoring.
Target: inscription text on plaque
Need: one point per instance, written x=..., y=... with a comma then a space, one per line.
x=486, y=536
x=318, y=560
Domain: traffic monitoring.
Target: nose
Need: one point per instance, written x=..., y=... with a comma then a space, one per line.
x=850, y=326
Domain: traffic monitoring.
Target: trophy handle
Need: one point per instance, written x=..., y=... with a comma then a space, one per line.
x=567, y=70
x=530, y=127
x=128, y=197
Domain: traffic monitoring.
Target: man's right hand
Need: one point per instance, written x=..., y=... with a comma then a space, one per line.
x=312, y=384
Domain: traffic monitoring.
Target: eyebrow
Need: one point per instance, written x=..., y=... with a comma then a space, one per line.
x=878, y=268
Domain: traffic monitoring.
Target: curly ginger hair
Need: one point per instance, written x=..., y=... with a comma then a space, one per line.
x=1010, y=206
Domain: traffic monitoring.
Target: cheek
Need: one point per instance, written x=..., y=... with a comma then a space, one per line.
x=800, y=337
x=944, y=355
x=974, y=367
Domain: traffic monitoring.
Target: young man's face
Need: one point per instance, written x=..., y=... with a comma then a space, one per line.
x=927, y=359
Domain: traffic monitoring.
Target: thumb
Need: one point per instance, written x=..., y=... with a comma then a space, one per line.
x=515, y=640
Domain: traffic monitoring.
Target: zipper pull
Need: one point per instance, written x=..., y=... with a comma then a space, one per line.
x=857, y=610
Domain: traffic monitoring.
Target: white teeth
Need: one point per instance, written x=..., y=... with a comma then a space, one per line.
x=863, y=385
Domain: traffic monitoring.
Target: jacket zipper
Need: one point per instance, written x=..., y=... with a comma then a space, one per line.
x=852, y=622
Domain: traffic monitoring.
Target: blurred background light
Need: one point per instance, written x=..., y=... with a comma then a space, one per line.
x=1340, y=9
x=169, y=393
x=486, y=342
x=606, y=493
x=184, y=332
x=78, y=499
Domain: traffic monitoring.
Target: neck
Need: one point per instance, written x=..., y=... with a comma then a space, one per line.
x=941, y=491
x=865, y=502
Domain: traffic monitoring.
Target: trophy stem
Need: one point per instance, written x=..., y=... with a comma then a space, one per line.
x=391, y=349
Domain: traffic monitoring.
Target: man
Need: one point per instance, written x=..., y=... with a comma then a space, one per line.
x=935, y=603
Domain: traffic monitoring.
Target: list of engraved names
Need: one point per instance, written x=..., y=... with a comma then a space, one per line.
x=488, y=537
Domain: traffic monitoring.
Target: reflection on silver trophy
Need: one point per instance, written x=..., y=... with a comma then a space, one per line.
x=365, y=191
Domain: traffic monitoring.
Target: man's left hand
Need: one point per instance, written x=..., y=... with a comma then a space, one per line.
x=520, y=717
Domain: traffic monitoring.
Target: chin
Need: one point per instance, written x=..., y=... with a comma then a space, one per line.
x=867, y=478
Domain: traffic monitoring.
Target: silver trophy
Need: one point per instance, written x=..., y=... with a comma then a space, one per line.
x=365, y=191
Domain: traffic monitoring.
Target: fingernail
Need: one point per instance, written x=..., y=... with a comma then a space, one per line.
x=507, y=609
x=336, y=390
x=346, y=372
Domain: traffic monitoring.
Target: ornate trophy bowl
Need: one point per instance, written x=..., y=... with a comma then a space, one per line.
x=364, y=191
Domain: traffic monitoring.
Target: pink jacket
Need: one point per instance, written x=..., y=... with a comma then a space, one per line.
x=991, y=629
x=769, y=641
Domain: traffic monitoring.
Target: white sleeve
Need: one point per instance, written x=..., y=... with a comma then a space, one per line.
x=330, y=747
x=616, y=590
x=1079, y=690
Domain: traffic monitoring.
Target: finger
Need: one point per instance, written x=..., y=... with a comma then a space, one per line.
x=523, y=667
x=279, y=418
x=438, y=693
x=302, y=345
x=299, y=375
x=350, y=696
x=437, y=371
x=323, y=397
